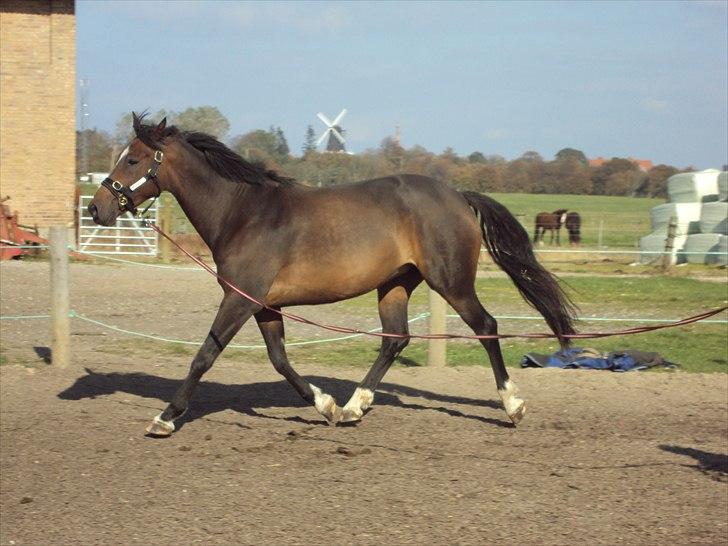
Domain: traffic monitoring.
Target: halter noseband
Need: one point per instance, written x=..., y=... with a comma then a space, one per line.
x=125, y=194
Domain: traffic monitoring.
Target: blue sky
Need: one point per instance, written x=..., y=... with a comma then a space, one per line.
x=641, y=79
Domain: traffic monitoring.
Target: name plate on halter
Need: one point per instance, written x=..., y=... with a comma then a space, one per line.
x=138, y=183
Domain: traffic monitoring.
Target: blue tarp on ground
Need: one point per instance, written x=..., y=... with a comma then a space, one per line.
x=577, y=357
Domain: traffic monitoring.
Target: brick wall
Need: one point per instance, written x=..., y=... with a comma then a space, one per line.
x=37, y=109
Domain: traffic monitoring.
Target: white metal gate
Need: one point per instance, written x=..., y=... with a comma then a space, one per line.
x=128, y=236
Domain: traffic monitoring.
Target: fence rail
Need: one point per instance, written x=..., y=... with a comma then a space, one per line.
x=129, y=236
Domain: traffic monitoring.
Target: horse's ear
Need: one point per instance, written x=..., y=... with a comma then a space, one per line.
x=136, y=122
x=162, y=125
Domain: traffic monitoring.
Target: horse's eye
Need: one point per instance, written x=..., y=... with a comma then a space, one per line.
x=132, y=161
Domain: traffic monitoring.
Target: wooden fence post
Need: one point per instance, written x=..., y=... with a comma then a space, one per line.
x=437, y=348
x=669, y=243
x=60, y=321
x=165, y=223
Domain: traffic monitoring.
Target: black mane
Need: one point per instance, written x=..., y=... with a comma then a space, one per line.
x=219, y=157
x=230, y=165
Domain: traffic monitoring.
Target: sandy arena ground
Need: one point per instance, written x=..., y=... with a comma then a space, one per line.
x=600, y=458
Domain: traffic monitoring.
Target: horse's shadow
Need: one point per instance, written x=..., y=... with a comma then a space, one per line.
x=211, y=397
x=715, y=464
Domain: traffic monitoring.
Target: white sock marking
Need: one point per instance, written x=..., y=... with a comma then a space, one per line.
x=361, y=400
x=321, y=400
x=510, y=402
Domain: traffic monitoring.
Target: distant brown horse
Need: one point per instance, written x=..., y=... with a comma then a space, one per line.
x=287, y=244
x=551, y=221
x=573, y=226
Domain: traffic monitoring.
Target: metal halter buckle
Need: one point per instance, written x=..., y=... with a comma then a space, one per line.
x=116, y=185
x=158, y=156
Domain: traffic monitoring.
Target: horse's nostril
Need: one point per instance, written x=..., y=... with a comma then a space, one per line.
x=93, y=211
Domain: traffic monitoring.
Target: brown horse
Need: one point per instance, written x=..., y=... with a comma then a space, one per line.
x=287, y=244
x=573, y=226
x=549, y=221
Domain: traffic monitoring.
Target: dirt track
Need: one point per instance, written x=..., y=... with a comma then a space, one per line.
x=637, y=458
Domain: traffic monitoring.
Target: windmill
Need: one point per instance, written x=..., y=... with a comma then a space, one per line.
x=334, y=131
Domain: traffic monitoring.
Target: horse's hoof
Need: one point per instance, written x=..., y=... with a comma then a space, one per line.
x=351, y=415
x=160, y=428
x=326, y=405
x=517, y=414
x=331, y=411
x=334, y=415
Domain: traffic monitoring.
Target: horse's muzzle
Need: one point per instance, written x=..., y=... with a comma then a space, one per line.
x=99, y=217
x=94, y=212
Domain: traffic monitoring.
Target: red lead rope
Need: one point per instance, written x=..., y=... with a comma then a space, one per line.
x=345, y=330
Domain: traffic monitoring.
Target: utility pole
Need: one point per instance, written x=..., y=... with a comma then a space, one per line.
x=84, y=91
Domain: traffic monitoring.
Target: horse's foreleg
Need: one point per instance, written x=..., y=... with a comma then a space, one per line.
x=271, y=326
x=393, y=299
x=232, y=314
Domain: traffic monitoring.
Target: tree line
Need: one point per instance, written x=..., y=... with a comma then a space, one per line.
x=568, y=172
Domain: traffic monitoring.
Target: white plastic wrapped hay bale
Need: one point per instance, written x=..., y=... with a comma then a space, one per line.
x=698, y=187
x=687, y=216
x=700, y=249
x=722, y=258
x=714, y=218
x=723, y=186
x=653, y=245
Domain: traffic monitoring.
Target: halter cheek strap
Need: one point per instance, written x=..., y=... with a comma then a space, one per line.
x=125, y=194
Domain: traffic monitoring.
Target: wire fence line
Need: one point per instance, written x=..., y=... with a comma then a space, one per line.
x=76, y=315
x=421, y=316
x=305, y=342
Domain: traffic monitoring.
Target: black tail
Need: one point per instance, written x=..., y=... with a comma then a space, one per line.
x=510, y=247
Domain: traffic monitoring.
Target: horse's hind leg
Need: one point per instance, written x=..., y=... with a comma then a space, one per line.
x=393, y=298
x=472, y=312
x=271, y=326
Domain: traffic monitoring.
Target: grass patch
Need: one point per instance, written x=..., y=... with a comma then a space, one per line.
x=6, y=360
x=621, y=220
x=695, y=348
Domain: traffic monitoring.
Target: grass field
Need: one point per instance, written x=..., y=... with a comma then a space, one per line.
x=623, y=220
x=701, y=347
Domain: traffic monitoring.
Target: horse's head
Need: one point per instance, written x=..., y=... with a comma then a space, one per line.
x=133, y=179
x=561, y=215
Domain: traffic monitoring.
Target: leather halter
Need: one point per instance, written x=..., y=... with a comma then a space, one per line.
x=125, y=194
